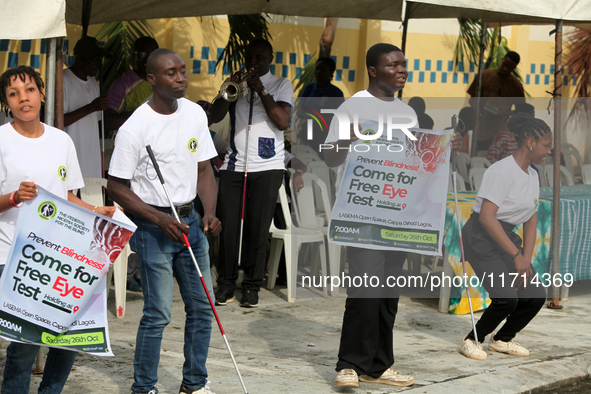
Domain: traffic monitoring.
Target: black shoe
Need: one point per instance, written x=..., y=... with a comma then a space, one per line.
x=250, y=298
x=223, y=295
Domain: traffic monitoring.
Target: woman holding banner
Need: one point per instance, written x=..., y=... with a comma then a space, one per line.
x=508, y=197
x=33, y=152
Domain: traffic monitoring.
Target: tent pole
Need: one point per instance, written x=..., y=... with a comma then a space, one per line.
x=86, y=10
x=50, y=81
x=404, y=32
x=59, y=85
x=557, y=153
x=474, y=144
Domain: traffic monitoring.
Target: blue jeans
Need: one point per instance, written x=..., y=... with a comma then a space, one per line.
x=161, y=259
x=20, y=358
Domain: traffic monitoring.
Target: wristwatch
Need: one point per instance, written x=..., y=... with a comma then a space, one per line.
x=265, y=92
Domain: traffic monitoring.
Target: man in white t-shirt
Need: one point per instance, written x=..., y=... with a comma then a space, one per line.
x=176, y=129
x=366, y=347
x=270, y=117
x=82, y=105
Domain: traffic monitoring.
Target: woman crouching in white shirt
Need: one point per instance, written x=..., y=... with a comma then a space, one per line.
x=507, y=197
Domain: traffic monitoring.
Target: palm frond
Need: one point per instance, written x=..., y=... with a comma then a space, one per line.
x=306, y=75
x=578, y=64
x=243, y=29
x=468, y=44
x=120, y=38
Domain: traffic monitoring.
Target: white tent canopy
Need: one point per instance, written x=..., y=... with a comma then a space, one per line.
x=507, y=11
x=120, y=10
x=26, y=20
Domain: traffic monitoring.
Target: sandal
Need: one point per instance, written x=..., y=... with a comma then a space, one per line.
x=552, y=306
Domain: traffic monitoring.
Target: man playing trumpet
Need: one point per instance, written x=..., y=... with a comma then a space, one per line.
x=270, y=117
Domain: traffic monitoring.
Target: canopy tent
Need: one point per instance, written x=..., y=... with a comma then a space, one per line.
x=49, y=13
x=119, y=10
x=506, y=11
x=27, y=20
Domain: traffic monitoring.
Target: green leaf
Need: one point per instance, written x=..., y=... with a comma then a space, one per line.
x=306, y=75
x=243, y=29
x=120, y=38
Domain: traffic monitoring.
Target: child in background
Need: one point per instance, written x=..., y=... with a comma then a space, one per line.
x=31, y=154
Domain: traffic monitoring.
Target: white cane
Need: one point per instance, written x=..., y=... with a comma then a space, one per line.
x=251, y=95
x=458, y=220
x=205, y=289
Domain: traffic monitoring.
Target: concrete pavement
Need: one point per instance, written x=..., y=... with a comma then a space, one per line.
x=291, y=348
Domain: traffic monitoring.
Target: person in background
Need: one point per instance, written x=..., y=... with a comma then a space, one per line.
x=323, y=73
x=507, y=197
x=467, y=122
x=132, y=89
x=419, y=105
x=82, y=105
x=504, y=143
x=500, y=91
x=321, y=94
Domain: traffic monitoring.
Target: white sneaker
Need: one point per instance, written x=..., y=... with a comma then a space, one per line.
x=347, y=378
x=510, y=347
x=471, y=349
x=204, y=390
x=391, y=377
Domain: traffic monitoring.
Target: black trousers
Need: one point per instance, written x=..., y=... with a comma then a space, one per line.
x=366, y=337
x=519, y=307
x=261, y=196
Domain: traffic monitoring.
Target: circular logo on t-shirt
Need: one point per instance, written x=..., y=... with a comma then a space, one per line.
x=193, y=145
x=62, y=173
x=47, y=210
x=368, y=132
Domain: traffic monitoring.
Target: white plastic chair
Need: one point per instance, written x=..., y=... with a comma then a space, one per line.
x=297, y=150
x=307, y=158
x=461, y=185
x=542, y=175
x=292, y=239
x=306, y=206
x=322, y=171
x=570, y=153
x=476, y=175
x=566, y=178
x=479, y=162
x=586, y=172
x=92, y=193
x=463, y=160
x=588, y=156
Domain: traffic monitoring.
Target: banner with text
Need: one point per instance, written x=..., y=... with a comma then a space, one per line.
x=394, y=192
x=53, y=288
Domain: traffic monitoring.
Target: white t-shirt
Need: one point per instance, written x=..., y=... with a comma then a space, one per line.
x=180, y=141
x=512, y=190
x=366, y=106
x=85, y=132
x=50, y=161
x=265, y=151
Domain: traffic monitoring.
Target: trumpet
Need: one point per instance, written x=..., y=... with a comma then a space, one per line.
x=232, y=91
